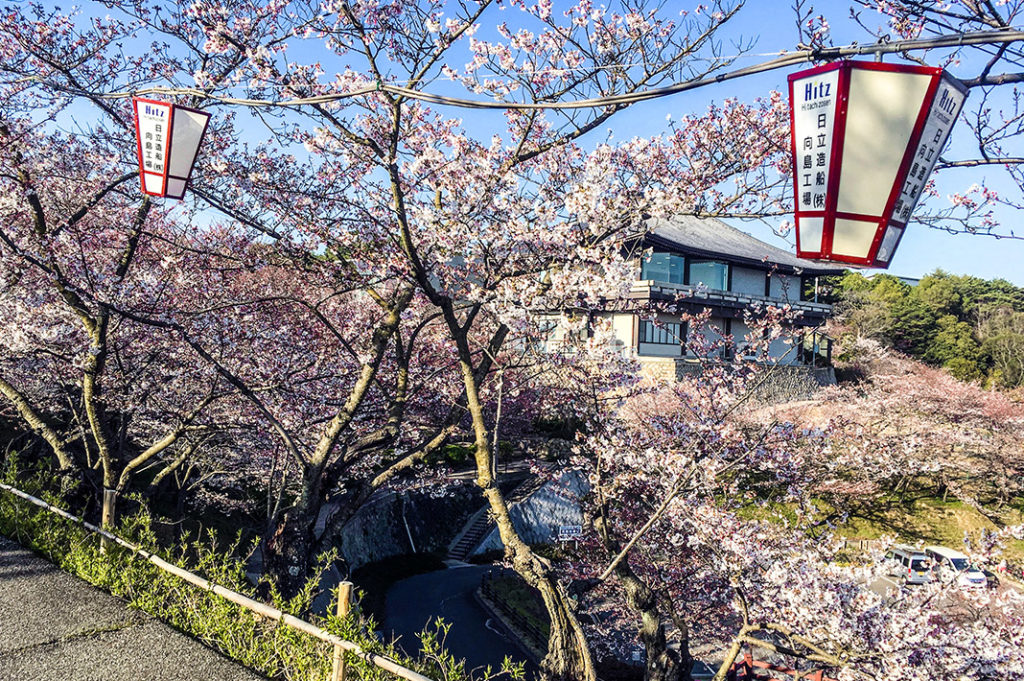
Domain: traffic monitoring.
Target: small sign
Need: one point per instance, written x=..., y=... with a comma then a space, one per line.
x=168, y=137
x=570, y=532
x=814, y=112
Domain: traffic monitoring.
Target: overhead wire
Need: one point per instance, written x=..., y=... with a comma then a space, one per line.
x=999, y=36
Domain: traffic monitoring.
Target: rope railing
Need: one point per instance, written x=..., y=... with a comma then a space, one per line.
x=257, y=607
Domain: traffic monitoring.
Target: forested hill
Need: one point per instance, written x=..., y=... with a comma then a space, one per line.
x=971, y=327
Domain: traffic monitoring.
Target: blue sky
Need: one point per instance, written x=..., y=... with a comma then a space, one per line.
x=772, y=24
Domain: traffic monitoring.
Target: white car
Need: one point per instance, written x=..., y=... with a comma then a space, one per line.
x=950, y=564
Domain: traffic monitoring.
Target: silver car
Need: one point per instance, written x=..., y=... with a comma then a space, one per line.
x=910, y=565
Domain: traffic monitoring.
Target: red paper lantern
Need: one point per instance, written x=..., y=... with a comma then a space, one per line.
x=866, y=136
x=168, y=138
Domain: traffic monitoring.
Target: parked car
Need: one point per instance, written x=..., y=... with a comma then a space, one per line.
x=950, y=564
x=909, y=565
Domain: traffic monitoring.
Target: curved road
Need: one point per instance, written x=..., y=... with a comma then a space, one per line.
x=414, y=602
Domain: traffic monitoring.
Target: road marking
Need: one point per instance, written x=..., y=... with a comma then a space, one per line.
x=496, y=631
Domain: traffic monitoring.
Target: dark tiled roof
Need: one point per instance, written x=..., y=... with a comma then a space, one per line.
x=712, y=237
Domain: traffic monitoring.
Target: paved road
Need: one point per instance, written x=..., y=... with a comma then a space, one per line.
x=55, y=627
x=413, y=602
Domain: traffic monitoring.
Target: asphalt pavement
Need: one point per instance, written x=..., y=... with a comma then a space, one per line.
x=414, y=602
x=56, y=627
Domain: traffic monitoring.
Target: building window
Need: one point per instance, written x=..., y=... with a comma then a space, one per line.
x=662, y=266
x=663, y=333
x=713, y=274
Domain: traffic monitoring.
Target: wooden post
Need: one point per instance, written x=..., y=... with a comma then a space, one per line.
x=107, y=518
x=344, y=601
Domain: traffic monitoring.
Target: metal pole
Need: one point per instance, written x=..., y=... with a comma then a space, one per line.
x=344, y=601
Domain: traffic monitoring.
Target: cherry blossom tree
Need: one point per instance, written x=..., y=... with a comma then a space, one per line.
x=732, y=546
x=357, y=264
x=97, y=388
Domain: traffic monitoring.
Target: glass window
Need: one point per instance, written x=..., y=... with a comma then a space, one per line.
x=664, y=333
x=714, y=275
x=662, y=266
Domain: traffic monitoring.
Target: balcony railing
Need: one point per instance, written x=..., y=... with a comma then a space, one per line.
x=647, y=288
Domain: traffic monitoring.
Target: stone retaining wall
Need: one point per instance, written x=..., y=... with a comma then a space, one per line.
x=788, y=382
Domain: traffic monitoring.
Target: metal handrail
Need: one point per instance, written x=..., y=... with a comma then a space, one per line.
x=262, y=609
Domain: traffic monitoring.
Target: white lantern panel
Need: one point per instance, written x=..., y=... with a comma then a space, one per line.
x=853, y=238
x=810, y=230
x=945, y=108
x=176, y=187
x=889, y=241
x=814, y=114
x=188, y=133
x=153, y=183
x=153, y=120
x=872, y=150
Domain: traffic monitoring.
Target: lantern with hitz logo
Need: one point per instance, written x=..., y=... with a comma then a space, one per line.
x=866, y=136
x=168, y=137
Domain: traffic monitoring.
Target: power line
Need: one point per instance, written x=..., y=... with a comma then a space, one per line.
x=789, y=59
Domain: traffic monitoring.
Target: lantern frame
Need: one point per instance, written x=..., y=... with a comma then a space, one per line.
x=169, y=148
x=885, y=222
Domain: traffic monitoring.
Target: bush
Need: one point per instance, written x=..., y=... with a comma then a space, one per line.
x=451, y=455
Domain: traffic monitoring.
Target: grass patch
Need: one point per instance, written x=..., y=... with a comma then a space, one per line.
x=933, y=521
x=523, y=604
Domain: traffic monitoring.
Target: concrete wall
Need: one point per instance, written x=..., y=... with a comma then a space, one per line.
x=378, y=530
x=537, y=518
x=784, y=287
x=748, y=281
x=787, y=382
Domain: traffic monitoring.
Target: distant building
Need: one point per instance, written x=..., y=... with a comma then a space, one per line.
x=909, y=281
x=703, y=263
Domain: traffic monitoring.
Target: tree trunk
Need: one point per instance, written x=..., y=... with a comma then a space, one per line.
x=36, y=422
x=288, y=552
x=662, y=664
x=568, y=657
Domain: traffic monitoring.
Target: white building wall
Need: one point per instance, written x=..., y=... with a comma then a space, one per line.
x=748, y=281
x=622, y=327
x=712, y=331
x=783, y=351
x=739, y=333
x=785, y=287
